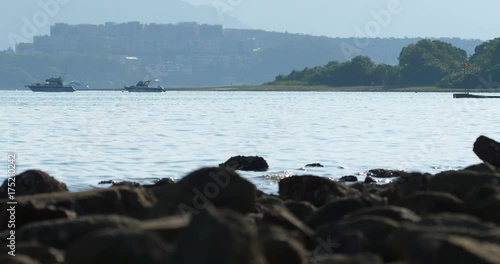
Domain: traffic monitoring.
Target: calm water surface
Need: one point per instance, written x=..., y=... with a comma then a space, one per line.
x=84, y=137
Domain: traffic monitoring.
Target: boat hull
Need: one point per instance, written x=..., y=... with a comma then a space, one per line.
x=467, y=95
x=145, y=90
x=53, y=89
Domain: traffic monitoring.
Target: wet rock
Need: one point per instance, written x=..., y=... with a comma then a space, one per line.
x=33, y=211
x=301, y=210
x=133, y=202
x=279, y=247
x=349, y=178
x=60, y=233
x=383, y=173
x=335, y=210
x=398, y=214
x=118, y=246
x=313, y=189
x=220, y=187
x=18, y=259
x=406, y=237
x=432, y=248
x=352, y=242
x=41, y=253
x=481, y=167
x=218, y=236
x=460, y=183
x=168, y=229
x=488, y=150
x=376, y=229
x=268, y=202
x=160, y=183
x=315, y=165
x=246, y=163
x=424, y=203
x=346, y=259
x=126, y=183
x=407, y=185
x=33, y=182
x=484, y=202
x=281, y=217
x=369, y=179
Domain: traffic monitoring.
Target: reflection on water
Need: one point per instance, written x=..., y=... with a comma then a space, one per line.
x=85, y=137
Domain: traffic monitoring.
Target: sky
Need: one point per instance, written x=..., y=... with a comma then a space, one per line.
x=21, y=19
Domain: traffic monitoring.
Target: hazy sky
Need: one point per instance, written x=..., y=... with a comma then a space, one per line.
x=334, y=18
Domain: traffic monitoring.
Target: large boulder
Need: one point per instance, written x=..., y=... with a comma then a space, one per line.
x=168, y=228
x=395, y=213
x=460, y=183
x=60, y=233
x=424, y=203
x=279, y=246
x=281, y=217
x=133, y=202
x=246, y=163
x=484, y=202
x=32, y=182
x=301, y=210
x=221, y=187
x=118, y=246
x=406, y=185
x=316, y=190
x=488, y=150
x=218, y=236
x=336, y=210
x=41, y=253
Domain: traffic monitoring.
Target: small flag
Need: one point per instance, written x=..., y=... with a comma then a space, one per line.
x=466, y=64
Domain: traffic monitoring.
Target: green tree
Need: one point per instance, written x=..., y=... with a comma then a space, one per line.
x=428, y=61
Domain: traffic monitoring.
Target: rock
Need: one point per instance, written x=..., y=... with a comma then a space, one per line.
x=383, y=173
x=432, y=248
x=313, y=189
x=460, y=183
x=41, y=253
x=375, y=228
x=484, y=202
x=118, y=246
x=407, y=185
x=268, y=202
x=301, y=210
x=398, y=214
x=405, y=238
x=279, y=247
x=315, y=165
x=33, y=182
x=167, y=228
x=126, y=183
x=218, y=236
x=346, y=259
x=281, y=217
x=160, y=183
x=349, y=178
x=246, y=163
x=488, y=150
x=424, y=203
x=33, y=211
x=335, y=210
x=220, y=187
x=369, y=179
x=481, y=167
x=133, y=202
x=60, y=233
x=18, y=259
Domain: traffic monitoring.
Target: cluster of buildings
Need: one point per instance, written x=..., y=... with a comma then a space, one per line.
x=167, y=48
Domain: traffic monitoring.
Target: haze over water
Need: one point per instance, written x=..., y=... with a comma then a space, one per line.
x=86, y=137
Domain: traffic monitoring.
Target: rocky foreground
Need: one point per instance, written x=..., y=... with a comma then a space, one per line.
x=213, y=215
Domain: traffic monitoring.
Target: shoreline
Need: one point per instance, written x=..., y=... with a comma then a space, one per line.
x=305, y=88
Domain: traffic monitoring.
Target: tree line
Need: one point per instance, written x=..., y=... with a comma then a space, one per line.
x=425, y=63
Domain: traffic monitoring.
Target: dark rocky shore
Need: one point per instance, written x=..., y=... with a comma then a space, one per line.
x=213, y=215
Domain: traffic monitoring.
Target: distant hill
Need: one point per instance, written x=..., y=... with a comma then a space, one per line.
x=187, y=54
